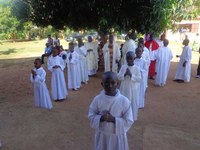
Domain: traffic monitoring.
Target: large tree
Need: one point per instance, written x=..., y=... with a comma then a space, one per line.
x=141, y=15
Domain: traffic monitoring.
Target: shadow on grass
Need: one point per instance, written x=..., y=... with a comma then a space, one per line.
x=9, y=51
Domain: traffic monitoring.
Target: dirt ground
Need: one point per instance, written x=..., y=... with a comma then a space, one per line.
x=169, y=121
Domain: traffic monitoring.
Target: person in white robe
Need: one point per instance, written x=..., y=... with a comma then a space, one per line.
x=56, y=65
x=56, y=41
x=142, y=65
x=41, y=93
x=146, y=57
x=112, y=55
x=183, y=71
x=163, y=58
x=82, y=52
x=161, y=40
x=110, y=115
x=130, y=78
x=72, y=65
x=129, y=45
x=92, y=56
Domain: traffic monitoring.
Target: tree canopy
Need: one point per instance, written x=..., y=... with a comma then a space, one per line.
x=141, y=15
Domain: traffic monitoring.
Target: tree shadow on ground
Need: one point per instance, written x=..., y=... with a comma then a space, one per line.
x=8, y=52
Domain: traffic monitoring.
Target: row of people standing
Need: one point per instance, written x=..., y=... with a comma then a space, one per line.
x=81, y=61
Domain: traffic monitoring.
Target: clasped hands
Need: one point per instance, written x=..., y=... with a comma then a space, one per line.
x=107, y=117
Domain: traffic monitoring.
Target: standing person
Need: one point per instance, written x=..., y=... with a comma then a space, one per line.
x=130, y=77
x=110, y=115
x=163, y=57
x=82, y=51
x=142, y=65
x=146, y=57
x=111, y=54
x=183, y=71
x=56, y=66
x=56, y=41
x=198, y=68
x=152, y=46
x=41, y=93
x=129, y=45
x=72, y=65
x=92, y=56
x=49, y=40
x=161, y=40
x=47, y=52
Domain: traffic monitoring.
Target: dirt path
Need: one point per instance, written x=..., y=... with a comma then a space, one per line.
x=169, y=121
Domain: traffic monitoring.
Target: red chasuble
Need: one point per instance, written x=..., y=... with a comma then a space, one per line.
x=152, y=67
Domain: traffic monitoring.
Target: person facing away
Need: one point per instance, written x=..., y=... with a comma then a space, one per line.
x=183, y=71
x=72, y=65
x=41, y=93
x=83, y=69
x=47, y=52
x=110, y=114
x=142, y=65
x=92, y=56
x=130, y=77
x=152, y=46
x=163, y=57
x=129, y=45
x=111, y=54
x=58, y=85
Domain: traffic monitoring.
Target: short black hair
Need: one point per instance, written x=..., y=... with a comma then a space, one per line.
x=39, y=59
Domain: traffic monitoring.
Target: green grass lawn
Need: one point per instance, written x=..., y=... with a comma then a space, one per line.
x=12, y=50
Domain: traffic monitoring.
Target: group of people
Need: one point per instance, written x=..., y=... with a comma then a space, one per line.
x=81, y=61
x=114, y=110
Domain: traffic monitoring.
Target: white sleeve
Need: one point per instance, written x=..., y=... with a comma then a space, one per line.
x=136, y=76
x=94, y=115
x=39, y=78
x=49, y=65
x=118, y=54
x=121, y=73
x=62, y=64
x=124, y=123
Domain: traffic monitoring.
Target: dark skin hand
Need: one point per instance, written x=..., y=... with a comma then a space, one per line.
x=110, y=46
x=128, y=73
x=184, y=64
x=107, y=117
x=70, y=57
x=89, y=50
x=56, y=66
x=33, y=73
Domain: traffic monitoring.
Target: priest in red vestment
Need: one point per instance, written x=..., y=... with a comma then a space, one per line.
x=152, y=46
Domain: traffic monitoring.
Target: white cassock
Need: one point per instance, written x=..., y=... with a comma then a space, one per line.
x=72, y=65
x=163, y=57
x=41, y=93
x=146, y=57
x=82, y=51
x=142, y=65
x=92, y=57
x=128, y=46
x=184, y=73
x=58, y=84
x=130, y=87
x=110, y=136
x=116, y=56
